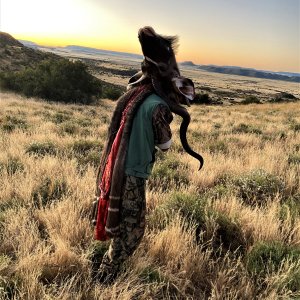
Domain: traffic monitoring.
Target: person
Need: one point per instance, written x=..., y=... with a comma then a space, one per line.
x=140, y=126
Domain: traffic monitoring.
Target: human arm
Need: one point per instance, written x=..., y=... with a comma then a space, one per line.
x=161, y=119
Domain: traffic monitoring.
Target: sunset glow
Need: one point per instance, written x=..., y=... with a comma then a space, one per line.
x=258, y=34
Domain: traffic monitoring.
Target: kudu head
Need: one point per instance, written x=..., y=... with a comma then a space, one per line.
x=160, y=68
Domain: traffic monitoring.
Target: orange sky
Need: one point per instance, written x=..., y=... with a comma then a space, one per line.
x=259, y=34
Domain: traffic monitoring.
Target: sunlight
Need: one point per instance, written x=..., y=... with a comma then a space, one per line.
x=54, y=20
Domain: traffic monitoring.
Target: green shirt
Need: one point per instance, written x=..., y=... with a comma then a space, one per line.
x=141, y=148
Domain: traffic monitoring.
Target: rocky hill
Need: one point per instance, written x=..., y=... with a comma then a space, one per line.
x=15, y=56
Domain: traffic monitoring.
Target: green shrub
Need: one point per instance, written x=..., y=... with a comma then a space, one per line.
x=202, y=99
x=295, y=127
x=84, y=147
x=112, y=92
x=291, y=207
x=150, y=274
x=84, y=122
x=48, y=191
x=11, y=166
x=69, y=127
x=41, y=148
x=11, y=123
x=294, y=159
x=58, y=80
x=229, y=236
x=189, y=206
x=217, y=125
x=283, y=97
x=268, y=257
x=14, y=165
x=244, y=128
x=168, y=171
x=93, y=158
x=9, y=288
x=257, y=186
x=218, y=147
x=96, y=252
x=60, y=117
x=220, y=190
x=251, y=100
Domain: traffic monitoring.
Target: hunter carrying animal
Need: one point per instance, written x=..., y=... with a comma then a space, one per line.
x=140, y=124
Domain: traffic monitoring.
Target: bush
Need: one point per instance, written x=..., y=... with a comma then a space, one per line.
x=189, y=206
x=268, y=257
x=244, y=128
x=295, y=127
x=96, y=252
x=294, y=159
x=251, y=100
x=258, y=186
x=283, y=97
x=70, y=128
x=218, y=147
x=291, y=208
x=58, y=80
x=84, y=122
x=229, y=236
x=84, y=147
x=112, y=92
x=220, y=190
x=48, y=191
x=10, y=123
x=202, y=99
x=41, y=148
x=9, y=287
x=60, y=117
x=168, y=171
x=150, y=274
x=14, y=165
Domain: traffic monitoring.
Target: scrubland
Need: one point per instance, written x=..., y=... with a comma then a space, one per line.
x=230, y=231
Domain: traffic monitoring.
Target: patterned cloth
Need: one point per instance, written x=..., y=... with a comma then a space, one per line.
x=116, y=172
x=133, y=208
x=161, y=119
x=132, y=226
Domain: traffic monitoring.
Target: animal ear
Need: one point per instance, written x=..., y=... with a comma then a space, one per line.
x=185, y=86
x=174, y=42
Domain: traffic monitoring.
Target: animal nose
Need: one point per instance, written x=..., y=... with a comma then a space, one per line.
x=147, y=30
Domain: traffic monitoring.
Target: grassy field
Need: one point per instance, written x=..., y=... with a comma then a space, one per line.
x=231, y=231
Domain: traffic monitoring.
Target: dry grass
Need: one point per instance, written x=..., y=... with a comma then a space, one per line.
x=209, y=232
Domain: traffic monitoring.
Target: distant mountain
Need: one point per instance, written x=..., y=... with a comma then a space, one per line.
x=290, y=74
x=29, y=44
x=14, y=56
x=187, y=64
x=251, y=73
x=94, y=51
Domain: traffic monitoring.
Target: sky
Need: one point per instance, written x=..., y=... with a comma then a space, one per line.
x=261, y=34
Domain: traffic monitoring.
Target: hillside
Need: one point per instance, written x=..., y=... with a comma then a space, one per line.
x=251, y=73
x=14, y=56
x=231, y=231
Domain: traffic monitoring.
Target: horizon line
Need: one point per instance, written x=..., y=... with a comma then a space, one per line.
x=196, y=64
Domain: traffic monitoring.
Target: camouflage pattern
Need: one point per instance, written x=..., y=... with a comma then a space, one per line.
x=132, y=226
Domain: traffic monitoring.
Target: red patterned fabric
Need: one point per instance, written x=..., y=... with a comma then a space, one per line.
x=105, y=184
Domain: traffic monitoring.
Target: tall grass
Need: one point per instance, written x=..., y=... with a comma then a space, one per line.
x=231, y=231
